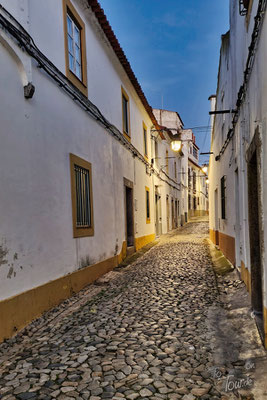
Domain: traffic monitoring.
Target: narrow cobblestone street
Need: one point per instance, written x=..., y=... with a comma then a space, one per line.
x=151, y=331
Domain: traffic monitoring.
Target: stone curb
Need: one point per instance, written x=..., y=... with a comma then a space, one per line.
x=221, y=264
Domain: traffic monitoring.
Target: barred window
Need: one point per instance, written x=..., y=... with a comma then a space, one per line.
x=82, y=201
x=83, y=211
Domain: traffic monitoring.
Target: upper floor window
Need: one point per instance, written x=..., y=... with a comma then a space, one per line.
x=194, y=181
x=195, y=152
x=167, y=161
x=189, y=178
x=75, y=50
x=145, y=140
x=74, y=47
x=125, y=113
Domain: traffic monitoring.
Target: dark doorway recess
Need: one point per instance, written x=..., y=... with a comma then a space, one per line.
x=129, y=213
x=255, y=239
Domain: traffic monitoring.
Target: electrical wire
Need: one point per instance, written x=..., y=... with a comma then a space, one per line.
x=26, y=42
x=247, y=73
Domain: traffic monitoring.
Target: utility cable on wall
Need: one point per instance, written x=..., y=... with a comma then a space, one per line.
x=247, y=73
x=26, y=42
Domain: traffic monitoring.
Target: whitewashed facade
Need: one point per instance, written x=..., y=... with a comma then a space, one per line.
x=193, y=195
x=237, y=173
x=63, y=123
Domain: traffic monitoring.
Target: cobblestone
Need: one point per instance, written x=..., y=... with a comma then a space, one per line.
x=143, y=337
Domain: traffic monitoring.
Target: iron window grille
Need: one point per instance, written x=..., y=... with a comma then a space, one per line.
x=83, y=198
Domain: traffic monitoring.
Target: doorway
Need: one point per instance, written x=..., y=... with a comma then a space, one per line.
x=168, y=212
x=216, y=217
x=158, y=214
x=129, y=213
x=255, y=238
x=173, y=217
x=237, y=220
x=176, y=213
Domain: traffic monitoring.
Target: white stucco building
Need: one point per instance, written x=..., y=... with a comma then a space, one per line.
x=193, y=195
x=237, y=173
x=85, y=175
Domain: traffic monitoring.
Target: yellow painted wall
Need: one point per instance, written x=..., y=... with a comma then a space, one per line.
x=143, y=240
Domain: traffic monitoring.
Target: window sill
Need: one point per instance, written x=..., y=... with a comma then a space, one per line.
x=126, y=135
x=76, y=82
x=83, y=232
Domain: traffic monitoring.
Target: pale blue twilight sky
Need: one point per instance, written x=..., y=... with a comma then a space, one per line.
x=173, y=47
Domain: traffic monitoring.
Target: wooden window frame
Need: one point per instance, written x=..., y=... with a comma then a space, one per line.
x=80, y=231
x=145, y=141
x=147, y=190
x=68, y=8
x=125, y=95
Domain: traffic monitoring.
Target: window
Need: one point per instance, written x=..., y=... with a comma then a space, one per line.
x=125, y=114
x=189, y=178
x=74, y=47
x=76, y=70
x=223, y=196
x=147, y=206
x=167, y=161
x=145, y=140
x=195, y=152
x=175, y=170
x=194, y=182
x=156, y=152
x=82, y=199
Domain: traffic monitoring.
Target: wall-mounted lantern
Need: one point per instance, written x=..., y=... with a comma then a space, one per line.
x=176, y=145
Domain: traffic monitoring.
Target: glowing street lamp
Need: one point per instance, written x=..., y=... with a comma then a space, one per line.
x=205, y=169
x=176, y=145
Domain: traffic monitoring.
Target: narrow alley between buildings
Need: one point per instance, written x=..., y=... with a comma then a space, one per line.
x=163, y=327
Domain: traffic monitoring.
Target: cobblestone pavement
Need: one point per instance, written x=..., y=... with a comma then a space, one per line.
x=152, y=331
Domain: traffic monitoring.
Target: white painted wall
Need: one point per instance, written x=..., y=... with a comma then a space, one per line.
x=37, y=135
x=253, y=113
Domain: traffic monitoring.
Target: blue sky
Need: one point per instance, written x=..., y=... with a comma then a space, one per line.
x=173, y=47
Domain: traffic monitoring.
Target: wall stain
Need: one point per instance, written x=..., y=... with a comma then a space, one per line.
x=85, y=262
x=10, y=272
x=3, y=254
